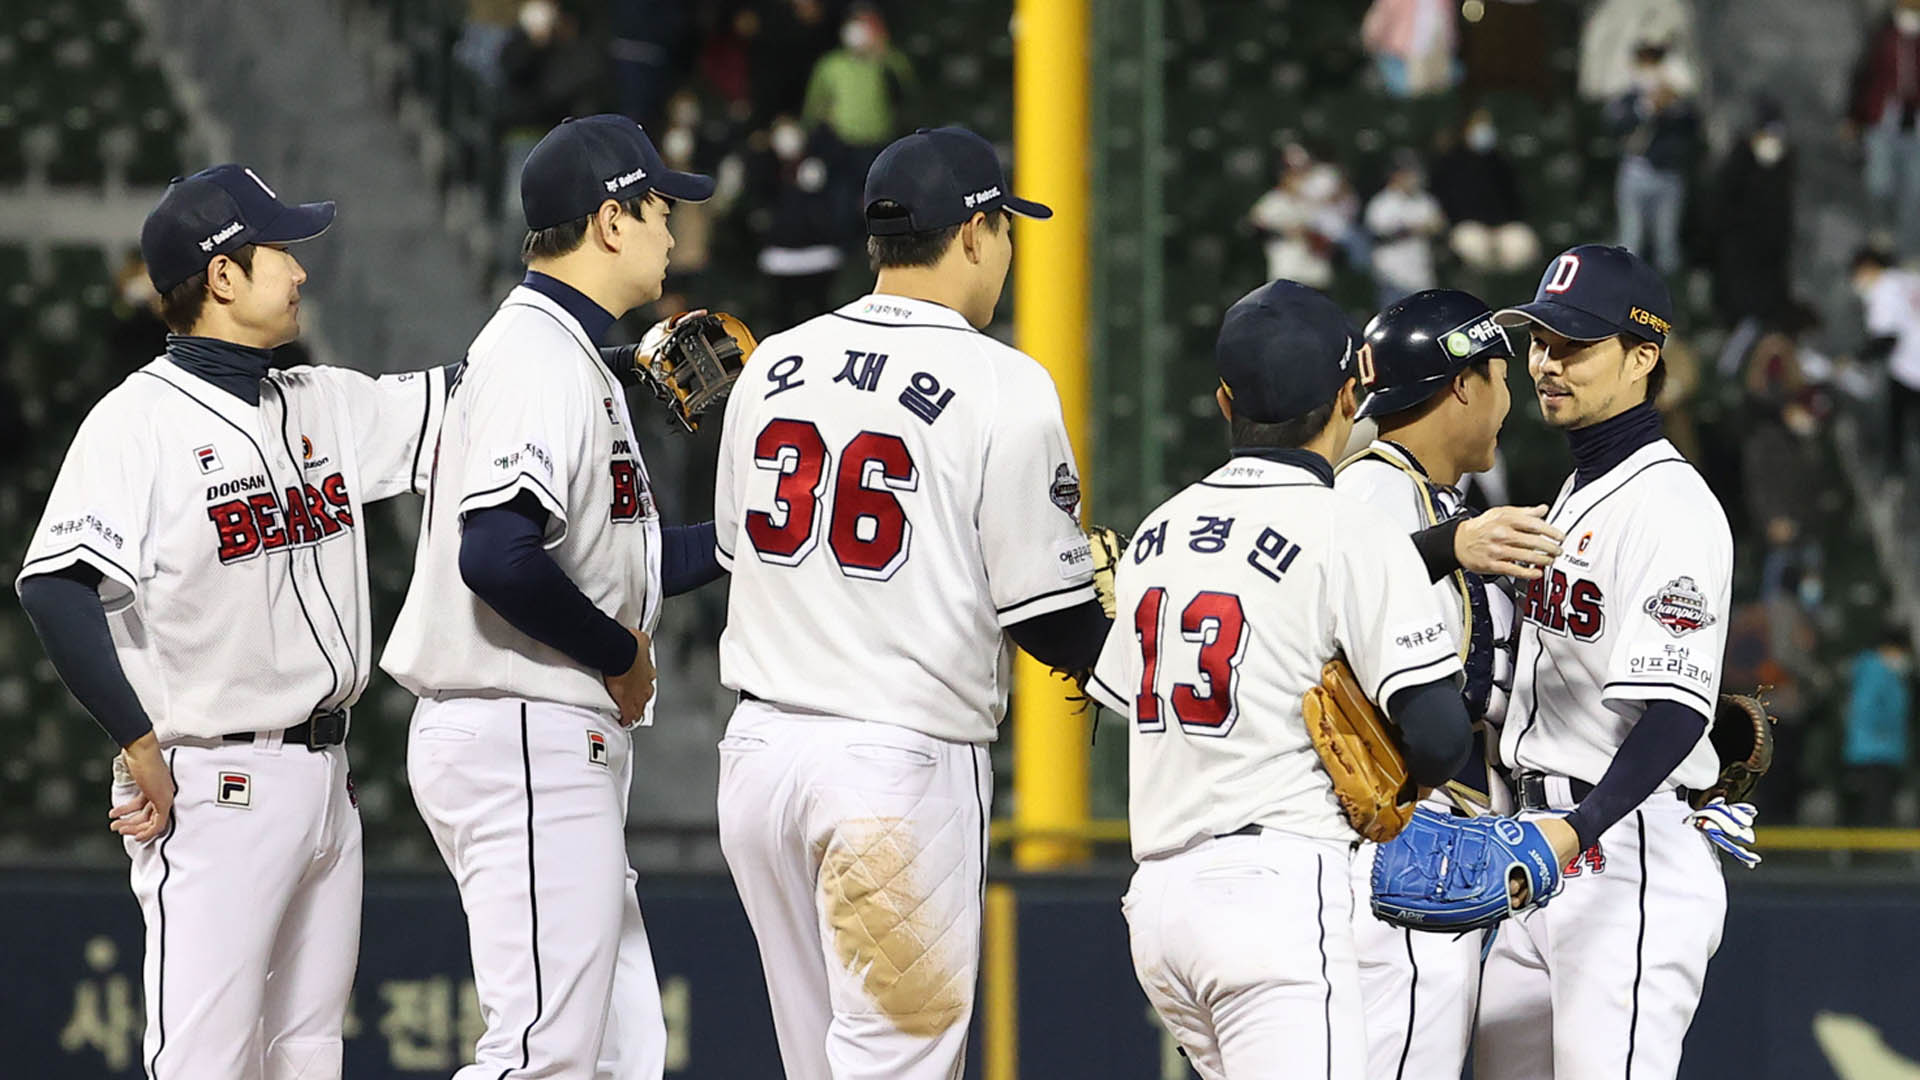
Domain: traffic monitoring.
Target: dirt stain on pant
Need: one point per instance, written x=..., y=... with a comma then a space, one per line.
x=887, y=931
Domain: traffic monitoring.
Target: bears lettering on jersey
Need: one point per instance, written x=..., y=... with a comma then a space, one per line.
x=631, y=498
x=1563, y=605
x=257, y=520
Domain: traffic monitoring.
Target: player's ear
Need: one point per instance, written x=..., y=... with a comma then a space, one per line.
x=1349, y=399
x=1225, y=401
x=221, y=272
x=606, y=225
x=1641, y=358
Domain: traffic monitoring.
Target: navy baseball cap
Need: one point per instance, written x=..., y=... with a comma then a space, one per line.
x=939, y=177
x=1284, y=350
x=584, y=162
x=1595, y=291
x=218, y=211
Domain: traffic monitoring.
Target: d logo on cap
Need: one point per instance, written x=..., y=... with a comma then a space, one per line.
x=1565, y=268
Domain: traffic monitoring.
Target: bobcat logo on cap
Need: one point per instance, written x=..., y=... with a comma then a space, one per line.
x=226, y=233
x=616, y=183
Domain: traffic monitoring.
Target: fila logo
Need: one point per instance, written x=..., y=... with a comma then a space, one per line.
x=236, y=789
x=612, y=417
x=208, y=459
x=624, y=179
x=596, y=748
x=979, y=197
x=227, y=232
x=1560, y=278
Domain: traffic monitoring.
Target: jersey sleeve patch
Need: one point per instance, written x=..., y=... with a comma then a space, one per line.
x=1680, y=607
x=1073, y=558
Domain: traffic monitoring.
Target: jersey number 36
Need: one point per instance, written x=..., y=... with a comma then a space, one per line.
x=869, y=533
x=1206, y=706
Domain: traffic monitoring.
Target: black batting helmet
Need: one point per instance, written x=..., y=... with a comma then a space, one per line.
x=1414, y=348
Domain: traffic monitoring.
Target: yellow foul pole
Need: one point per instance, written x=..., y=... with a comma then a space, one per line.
x=1051, y=41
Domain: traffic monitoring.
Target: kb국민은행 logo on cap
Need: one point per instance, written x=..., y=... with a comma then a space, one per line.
x=1648, y=319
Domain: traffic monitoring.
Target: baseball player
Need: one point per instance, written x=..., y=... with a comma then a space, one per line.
x=540, y=571
x=1435, y=366
x=1617, y=676
x=1233, y=596
x=895, y=498
x=199, y=580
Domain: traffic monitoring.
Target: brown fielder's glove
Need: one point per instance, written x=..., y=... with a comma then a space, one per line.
x=688, y=363
x=1742, y=737
x=1105, y=547
x=1369, y=772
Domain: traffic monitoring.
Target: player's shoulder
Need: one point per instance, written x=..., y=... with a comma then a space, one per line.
x=1675, y=499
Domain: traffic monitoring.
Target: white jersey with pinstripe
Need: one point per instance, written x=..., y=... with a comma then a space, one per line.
x=893, y=488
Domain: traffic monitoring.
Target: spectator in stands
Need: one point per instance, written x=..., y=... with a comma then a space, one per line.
x=1879, y=710
x=1783, y=414
x=549, y=72
x=856, y=92
x=137, y=327
x=1885, y=103
x=1403, y=219
x=1414, y=44
x=1479, y=193
x=1891, y=296
x=651, y=39
x=483, y=35
x=786, y=38
x=1613, y=33
x=1661, y=131
x=800, y=228
x=1753, y=222
x=1306, y=217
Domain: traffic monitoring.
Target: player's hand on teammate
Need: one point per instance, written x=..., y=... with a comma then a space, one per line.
x=632, y=689
x=1730, y=827
x=1513, y=540
x=145, y=816
x=656, y=334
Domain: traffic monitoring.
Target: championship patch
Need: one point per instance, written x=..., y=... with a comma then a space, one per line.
x=1065, y=491
x=208, y=459
x=596, y=748
x=1680, y=607
x=1074, y=557
x=236, y=789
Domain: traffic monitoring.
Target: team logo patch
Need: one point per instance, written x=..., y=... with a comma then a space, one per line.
x=596, y=748
x=236, y=789
x=1585, y=539
x=1470, y=337
x=1680, y=607
x=1065, y=491
x=208, y=459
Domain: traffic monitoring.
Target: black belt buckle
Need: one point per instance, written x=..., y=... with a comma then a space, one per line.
x=325, y=729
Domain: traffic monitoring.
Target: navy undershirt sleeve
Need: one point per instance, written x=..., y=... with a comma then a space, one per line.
x=1069, y=639
x=1436, y=735
x=1660, y=740
x=504, y=562
x=687, y=560
x=71, y=620
x=1435, y=545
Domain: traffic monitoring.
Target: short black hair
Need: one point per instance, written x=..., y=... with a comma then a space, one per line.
x=1871, y=256
x=904, y=250
x=1657, y=378
x=1481, y=366
x=181, y=305
x=566, y=237
x=1285, y=435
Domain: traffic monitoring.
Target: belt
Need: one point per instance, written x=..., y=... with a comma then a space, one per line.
x=748, y=695
x=1244, y=830
x=1531, y=788
x=317, y=732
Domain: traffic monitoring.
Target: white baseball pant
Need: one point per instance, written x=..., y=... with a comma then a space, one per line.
x=1602, y=982
x=1244, y=946
x=527, y=802
x=252, y=906
x=1418, y=989
x=858, y=850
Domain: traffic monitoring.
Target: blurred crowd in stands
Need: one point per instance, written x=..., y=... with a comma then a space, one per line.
x=788, y=101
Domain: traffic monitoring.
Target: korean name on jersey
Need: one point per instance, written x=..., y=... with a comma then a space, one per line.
x=894, y=487
x=1634, y=609
x=1233, y=595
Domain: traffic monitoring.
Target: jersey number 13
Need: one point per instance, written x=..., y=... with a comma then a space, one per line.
x=868, y=531
x=1206, y=706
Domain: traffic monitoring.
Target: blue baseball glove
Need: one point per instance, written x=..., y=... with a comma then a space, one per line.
x=1449, y=874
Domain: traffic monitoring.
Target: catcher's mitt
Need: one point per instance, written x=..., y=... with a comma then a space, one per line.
x=689, y=365
x=1742, y=736
x=1449, y=874
x=1369, y=773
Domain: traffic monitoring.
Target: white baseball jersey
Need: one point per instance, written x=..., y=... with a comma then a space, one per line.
x=536, y=411
x=1232, y=597
x=893, y=488
x=228, y=537
x=1634, y=610
x=1383, y=476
